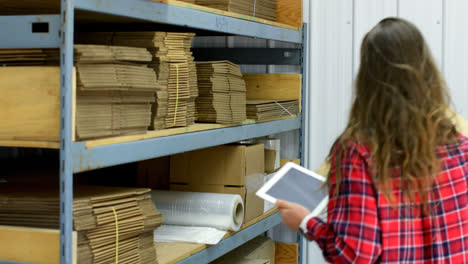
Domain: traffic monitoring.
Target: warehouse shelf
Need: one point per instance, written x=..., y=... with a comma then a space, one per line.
x=108, y=155
x=29, y=24
x=168, y=12
x=169, y=253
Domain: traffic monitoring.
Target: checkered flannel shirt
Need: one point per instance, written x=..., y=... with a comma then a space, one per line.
x=363, y=228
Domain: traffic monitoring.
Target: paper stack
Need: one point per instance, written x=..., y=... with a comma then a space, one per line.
x=101, y=215
x=262, y=110
x=221, y=92
x=265, y=9
x=115, y=90
x=177, y=75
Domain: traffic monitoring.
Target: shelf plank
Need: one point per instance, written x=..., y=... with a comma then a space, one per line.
x=101, y=156
x=227, y=13
x=192, y=16
x=35, y=245
x=170, y=253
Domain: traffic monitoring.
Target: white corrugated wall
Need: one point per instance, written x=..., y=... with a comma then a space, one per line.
x=336, y=28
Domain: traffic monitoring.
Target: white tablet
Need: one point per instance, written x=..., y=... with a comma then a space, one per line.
x=297, y=184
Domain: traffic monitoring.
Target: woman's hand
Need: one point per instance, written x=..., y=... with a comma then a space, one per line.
x=292, y=213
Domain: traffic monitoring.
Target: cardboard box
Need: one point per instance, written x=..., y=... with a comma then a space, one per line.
x=286, y=253
x=253, y=205
x=270, y=160
x=221, y=165
x=258, y=250
x=153, y=173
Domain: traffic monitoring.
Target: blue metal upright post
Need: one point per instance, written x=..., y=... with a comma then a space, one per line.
x=305, y=94
x=66, y=170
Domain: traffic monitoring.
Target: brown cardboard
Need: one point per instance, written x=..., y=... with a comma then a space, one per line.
x=221, y=165
x=153, y=173
x=270, y=158
x=259, y=250
x=284, y=161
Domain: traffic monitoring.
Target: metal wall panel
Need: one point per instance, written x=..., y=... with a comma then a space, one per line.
x=331, y=53
x=427, y=16
x=367, y=13
x=456, y=53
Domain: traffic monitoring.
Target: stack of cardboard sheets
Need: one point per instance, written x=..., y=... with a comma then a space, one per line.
x=222, y=93
x=265, y=9
x=28, y=57
x=101, y=215
x=115, y=90
x=176, y=71
x=262, y=110
x=115, y=86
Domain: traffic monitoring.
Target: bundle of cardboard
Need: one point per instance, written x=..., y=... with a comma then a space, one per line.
x=101, y=215
x=262, y=110
x=176, y=71
x=114, y=90
x=115, y=86
x=222, y=93
x=265, y=9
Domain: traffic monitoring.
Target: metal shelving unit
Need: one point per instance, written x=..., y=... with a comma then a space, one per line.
x=18, y=31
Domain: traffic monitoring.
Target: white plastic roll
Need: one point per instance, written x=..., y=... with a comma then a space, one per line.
x=272, y=144
x=218, y=210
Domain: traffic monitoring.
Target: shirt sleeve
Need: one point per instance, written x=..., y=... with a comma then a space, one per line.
x=352, y=232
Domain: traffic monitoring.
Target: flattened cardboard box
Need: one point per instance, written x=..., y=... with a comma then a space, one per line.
x=253, y=205
x=221, y=165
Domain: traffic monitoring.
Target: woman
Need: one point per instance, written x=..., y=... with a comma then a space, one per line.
x=398, y=178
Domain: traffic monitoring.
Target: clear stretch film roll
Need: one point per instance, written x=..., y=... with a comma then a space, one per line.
x=222, y=211
x=272, y=144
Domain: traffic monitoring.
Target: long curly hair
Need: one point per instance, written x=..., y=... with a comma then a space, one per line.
x=399, y=110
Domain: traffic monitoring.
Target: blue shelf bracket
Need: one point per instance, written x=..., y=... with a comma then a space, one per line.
x=36, y=31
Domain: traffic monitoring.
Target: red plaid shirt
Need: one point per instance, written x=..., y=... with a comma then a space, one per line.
x=363, y=228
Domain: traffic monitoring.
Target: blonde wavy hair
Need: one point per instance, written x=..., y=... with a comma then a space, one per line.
x=399, y=110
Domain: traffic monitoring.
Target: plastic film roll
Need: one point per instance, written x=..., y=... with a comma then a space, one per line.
x=222, y=211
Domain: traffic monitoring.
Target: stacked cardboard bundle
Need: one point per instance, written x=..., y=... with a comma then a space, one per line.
x=101, y=215
x=265, y=9
x=221, y=92
x=176, y=71
x=28, y=57
x=262, y=110
x=115, y=90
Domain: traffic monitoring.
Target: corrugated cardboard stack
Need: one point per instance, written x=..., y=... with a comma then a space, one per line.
x=101, y=215
x=114, y=86
x=28, y=57
x=114, y=90
x=265, y=9
x=234, y=169
x=262, y=110
x=177, y=76
x=222, y=92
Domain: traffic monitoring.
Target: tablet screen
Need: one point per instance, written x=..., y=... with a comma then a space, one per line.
x=299, y=187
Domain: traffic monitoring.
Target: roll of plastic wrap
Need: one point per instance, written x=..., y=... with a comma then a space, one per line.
x=222, y=211
x=272, y=144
